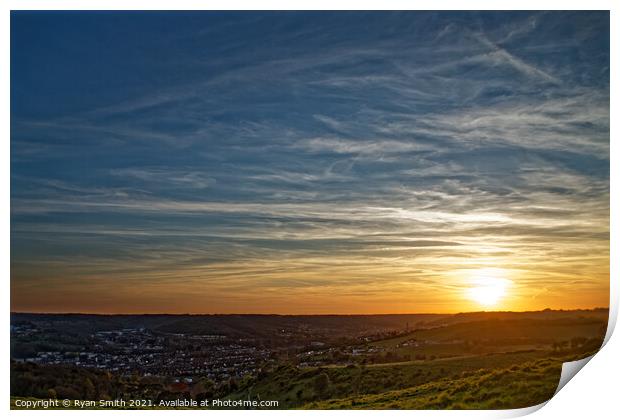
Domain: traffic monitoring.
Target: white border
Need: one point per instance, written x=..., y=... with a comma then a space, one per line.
x=593, y=395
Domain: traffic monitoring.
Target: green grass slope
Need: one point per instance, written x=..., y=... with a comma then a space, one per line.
x=517, y=386
x=294, y=387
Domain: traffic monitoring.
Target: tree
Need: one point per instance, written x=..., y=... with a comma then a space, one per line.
x=321, y=383
x=208, y=388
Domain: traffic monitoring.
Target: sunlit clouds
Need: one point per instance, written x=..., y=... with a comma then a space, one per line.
x=310, y=163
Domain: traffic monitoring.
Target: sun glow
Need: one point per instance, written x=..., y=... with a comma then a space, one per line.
x=487, y=288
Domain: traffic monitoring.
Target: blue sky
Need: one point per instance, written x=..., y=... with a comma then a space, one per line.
x=308, y=162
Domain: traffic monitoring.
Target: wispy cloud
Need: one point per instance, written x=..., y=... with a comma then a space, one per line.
x=177, y=178
x=368, y=156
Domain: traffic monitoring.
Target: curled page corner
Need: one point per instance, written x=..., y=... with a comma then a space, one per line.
x=613, y=315
x=570, y=369
x=519, y=412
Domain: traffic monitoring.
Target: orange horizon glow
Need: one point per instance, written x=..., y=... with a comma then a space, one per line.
x=48, y=304
x=595, y=308
x=488, y=289
x=461, y=286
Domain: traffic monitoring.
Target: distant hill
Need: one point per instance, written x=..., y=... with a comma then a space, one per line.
x=547, y=314
x=249, y=325
x=229, y=325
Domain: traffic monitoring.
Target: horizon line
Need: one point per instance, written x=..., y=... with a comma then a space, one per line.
x=597, y=308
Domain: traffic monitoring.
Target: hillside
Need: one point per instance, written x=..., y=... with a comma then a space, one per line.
x=517, y=386
x=296, y=387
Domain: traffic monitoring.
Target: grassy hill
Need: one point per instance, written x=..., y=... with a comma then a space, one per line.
x=295, y=387
x=517, y=386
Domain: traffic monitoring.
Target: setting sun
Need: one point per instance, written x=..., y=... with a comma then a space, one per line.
x=488, y=289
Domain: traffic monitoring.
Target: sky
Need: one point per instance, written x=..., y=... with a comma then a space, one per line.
x=309, y=163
